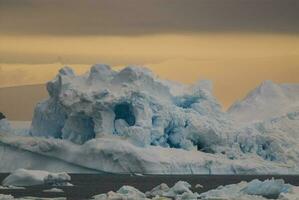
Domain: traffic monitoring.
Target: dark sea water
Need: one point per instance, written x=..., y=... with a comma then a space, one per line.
x=87, y=185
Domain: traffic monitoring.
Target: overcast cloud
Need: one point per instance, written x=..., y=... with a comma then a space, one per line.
x=131, y=17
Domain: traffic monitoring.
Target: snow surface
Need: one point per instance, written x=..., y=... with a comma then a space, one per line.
x=23, y=177
x=130, y=121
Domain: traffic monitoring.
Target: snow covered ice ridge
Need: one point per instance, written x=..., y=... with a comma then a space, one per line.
x=130, y=121
x=254, y=190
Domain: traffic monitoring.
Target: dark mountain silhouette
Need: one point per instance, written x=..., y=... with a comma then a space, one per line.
x=2, y=116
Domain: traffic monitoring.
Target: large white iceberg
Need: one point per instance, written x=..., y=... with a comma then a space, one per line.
x=132, y=104
x=130, y=121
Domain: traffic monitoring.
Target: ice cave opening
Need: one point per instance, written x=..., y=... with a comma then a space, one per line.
x=79, y=129
x=125, y=111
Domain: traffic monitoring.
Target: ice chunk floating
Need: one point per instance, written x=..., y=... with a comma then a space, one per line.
x=130, y=121
x=23, y=177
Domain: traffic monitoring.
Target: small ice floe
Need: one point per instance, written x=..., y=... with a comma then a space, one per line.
x=23, y=177
x=138, y=174
x=54, y=190
x=198, y=186
x=10, y=197
x=125, y=192
x=11, y=187
x=6, y=197
x=181, y=189
x=158, y=190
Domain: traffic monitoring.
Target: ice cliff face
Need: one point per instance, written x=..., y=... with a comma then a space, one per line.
x=132, y=104
x=130, y=121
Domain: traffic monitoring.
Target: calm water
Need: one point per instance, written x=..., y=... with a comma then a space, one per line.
x=87, y=185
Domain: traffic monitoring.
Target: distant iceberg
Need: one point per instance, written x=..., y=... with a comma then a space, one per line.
x=269, y=100
x=130, y=121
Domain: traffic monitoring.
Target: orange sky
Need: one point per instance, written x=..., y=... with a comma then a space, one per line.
x=235, y=62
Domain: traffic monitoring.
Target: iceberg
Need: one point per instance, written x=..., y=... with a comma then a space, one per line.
x=181, y=189
x=267, y=101
x=131, y=121
x=125, y=192
x=132, y=104
x=23, y=177
x=158, y=190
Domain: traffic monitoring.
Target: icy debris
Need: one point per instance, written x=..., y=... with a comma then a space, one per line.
x=159, y=190
x=256, y=189
x=268, y=188
x=23, y=177
x=131, y=192
x=179, y=191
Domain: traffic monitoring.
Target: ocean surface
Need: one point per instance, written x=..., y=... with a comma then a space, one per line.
x=88, y=185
